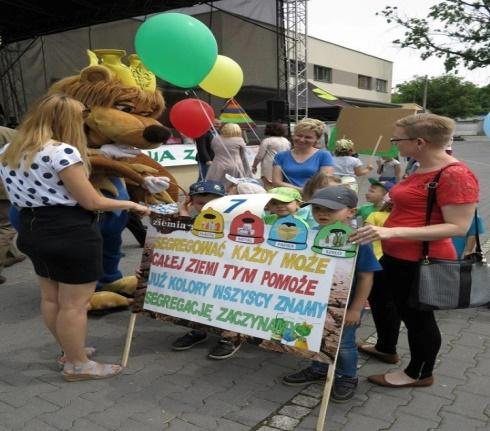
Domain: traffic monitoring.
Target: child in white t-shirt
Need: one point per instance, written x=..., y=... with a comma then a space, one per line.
x=348, y=167
x=389, y=169
x=345, y=163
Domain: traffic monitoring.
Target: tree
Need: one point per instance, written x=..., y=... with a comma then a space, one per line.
x=456, y=30
x=484, y=99
x=446, y=95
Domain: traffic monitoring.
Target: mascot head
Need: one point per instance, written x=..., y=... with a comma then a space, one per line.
x=124, y=102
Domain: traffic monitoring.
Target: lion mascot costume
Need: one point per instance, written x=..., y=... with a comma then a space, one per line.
x=124, y=105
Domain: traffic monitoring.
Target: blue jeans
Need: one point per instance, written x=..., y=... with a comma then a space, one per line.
x=203, y=170
x=347, y=358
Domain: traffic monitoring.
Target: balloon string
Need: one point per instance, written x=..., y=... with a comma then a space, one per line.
x=217, y=136
x=205, y=113
x=244, y=117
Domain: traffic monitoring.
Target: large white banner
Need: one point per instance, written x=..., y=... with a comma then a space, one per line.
x=257, y=290
x=228, y=270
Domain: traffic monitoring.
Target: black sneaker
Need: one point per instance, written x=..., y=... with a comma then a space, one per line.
x=189, y=340
x=343, y=389
x=224, y=349
x=304, y=377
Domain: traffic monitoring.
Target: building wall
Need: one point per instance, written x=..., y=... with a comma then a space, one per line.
x=347, y=65
x=253, y=48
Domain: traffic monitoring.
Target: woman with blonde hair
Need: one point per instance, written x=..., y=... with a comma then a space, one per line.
x=293, y=168
x=423, y=137
x=273, y=143
x=45, y=172
x=229, y=155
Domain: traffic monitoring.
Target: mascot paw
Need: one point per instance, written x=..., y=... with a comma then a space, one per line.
x=156, y=184
x=125, y=285
x=107, y=300
x=119, y=151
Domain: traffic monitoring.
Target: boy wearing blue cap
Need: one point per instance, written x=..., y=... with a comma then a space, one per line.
x=375, y=197
x=200, y=194
x=331, y=205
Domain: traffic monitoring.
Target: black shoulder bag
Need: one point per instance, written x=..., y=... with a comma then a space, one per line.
x=443, y=284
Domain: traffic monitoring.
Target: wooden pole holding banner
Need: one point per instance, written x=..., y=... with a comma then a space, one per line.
x=322, y=414
x=371, y=160
x=326, y=396
x=129, y=338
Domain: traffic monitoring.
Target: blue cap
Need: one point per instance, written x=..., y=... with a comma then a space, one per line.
x=207, y=187
x=387, y=185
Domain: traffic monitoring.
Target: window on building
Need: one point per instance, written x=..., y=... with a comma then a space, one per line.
x=321, y=73
x=292, y=67
x=364, y=82
x=381, y=85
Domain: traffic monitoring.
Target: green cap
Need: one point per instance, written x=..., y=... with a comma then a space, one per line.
x=285, y=194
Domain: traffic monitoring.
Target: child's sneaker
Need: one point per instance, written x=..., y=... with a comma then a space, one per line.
x=224, y=349
x=343, y=389
x=189, y=340
x=304, y=377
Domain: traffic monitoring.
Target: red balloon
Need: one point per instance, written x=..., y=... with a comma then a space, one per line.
x=192, y=117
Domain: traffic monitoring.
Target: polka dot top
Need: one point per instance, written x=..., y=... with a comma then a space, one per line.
x=40, y=185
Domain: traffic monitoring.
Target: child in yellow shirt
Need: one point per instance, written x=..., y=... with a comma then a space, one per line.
x=378, y=218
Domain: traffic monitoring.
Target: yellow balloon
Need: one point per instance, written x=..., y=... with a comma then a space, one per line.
x=225, y=78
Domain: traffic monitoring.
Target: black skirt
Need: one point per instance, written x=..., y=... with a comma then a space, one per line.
x=63, y=242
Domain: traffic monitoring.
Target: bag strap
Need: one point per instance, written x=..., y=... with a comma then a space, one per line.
x=431, y=199
x=477, y=235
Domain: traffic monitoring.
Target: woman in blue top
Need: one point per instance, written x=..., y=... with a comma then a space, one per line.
x=294, y=167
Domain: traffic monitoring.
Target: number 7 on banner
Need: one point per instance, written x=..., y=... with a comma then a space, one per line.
x=233, y=205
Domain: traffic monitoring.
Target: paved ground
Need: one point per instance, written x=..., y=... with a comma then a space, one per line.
x=165, y=390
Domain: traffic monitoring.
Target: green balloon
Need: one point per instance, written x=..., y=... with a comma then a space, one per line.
x=177, y=48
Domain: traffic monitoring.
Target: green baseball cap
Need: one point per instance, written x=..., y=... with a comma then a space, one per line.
x=285, y=194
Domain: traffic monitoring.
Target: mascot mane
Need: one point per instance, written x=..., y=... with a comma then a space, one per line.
x=107, y=93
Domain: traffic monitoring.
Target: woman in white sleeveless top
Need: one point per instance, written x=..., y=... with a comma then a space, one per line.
x=274, y=142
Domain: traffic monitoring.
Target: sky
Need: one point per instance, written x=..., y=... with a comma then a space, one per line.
x=353, y=24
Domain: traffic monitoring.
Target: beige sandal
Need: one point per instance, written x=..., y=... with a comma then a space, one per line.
x=89, y=351
x=90, y=370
